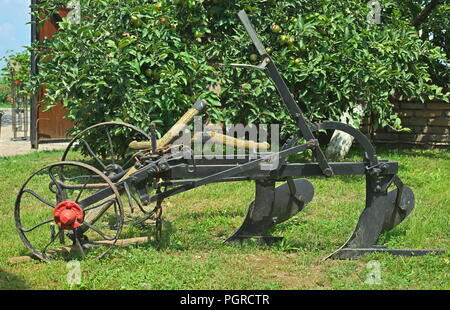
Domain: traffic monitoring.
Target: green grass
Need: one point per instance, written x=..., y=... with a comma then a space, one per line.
x=193, y=256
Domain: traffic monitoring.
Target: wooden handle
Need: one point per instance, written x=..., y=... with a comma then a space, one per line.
x=176, y=129
x=231, y=141
x=135, y=145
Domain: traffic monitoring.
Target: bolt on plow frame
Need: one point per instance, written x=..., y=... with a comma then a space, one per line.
x=83, y=205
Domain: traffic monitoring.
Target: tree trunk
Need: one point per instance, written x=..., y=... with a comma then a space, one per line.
x=341, y=142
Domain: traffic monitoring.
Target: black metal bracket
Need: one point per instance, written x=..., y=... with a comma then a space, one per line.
x=262, y=66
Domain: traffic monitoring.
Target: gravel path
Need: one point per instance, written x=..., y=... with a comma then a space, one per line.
x=11, y=148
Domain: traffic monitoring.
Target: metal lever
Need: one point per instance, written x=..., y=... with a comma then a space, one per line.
x=153, y=137
x=252, y=33
x=262, y=66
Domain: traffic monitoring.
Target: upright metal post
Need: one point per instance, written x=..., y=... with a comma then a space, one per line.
x=25, y=116
x=1, y=115
x=13, y=104
x=34, y=72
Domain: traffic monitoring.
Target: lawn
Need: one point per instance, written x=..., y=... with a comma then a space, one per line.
x=192, y=254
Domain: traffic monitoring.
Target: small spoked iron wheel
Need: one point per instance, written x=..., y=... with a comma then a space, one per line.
x=112, y=156
x=67, y=208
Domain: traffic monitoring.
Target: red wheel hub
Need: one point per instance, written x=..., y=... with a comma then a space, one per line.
x=68, y=215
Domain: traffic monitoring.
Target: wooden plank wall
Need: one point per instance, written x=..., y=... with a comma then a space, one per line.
x=429, y=124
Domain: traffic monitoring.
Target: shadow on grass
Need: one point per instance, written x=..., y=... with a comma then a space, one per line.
x=391, y=235
x=386, y=150
x=168, y=230
x=212, y=214
x=10, y=281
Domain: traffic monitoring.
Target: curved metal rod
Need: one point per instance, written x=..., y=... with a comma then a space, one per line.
x=352, y=131
x=139, y=205
x=99, y=205
x=38, y=225
x=78, y=243
x=48, y=203
x=98, y=231
x=61, y=192
x=81, y=191
x=92, y=153
x=128, y=161
x=111, y=146
x=51, y=241
x=81, y=177
x=79, y=187
x=358, y=135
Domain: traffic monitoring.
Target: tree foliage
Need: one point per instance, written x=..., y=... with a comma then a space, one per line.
x=16, y=71
x=145, y=61
x=435, y=28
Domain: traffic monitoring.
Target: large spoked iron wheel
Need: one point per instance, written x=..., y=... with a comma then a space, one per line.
x=54, y=212
x=105, y=147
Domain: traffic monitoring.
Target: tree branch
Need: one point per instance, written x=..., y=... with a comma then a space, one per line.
x=425, y=13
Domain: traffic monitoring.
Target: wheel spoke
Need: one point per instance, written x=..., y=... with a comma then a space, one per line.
x=38, y=225
x=62, y=193
x=99, y=205
x=81, y=191
x=110, y=146
x=139, y=204
x=92, y=153
x=61, y=236
x=124, y=166
x=48, y=203
x=51, y=241
x=130, y=200
x=81, y=177
x=98, y=231
x=78, y=243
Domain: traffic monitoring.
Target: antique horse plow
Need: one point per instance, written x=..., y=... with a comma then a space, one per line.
x=83, y=204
